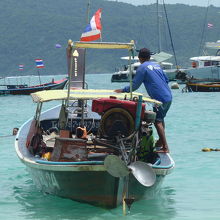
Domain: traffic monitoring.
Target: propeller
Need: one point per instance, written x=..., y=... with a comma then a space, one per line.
x=141, y=171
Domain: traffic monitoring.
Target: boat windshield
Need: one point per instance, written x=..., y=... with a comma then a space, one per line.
x=211, y=63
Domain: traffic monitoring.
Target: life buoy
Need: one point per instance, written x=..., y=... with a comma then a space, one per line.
x=194, y=65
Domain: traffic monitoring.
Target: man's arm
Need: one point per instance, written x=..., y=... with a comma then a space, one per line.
x=118, y=90
x=136, y=82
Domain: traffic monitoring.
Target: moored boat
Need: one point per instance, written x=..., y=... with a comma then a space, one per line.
x=88, y=148
x=24, y=89
x=123, y=74
x=206, y=67
x=203, y=86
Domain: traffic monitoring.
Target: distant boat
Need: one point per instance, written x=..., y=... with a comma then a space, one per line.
x=124, y=74
x=205, y=67
x=24, y=89
x=202, y=86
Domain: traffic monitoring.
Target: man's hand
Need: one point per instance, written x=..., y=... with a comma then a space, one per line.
x=118, y=91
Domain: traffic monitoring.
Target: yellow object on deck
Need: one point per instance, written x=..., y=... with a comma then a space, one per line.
x=47, y=156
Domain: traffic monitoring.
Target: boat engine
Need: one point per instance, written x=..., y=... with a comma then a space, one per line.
x=117, y=116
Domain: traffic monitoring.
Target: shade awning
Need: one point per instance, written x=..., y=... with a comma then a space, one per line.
x=85, y=94
x=205, y=58
x=104, y=45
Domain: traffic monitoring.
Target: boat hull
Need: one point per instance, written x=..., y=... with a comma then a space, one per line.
x=124, y=76
x=203, y=87
x=209, y=72
x=90, y=183
x=84, y=184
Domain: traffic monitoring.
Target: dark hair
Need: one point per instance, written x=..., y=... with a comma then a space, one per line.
x=144, y=53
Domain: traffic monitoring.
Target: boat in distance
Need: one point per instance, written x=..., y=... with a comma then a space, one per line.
x=88, y=148
x=205, y=67
x=203, y=85
x=124, y=76
x=24, y=89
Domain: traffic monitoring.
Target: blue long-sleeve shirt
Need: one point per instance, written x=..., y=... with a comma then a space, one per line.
x=155, y=81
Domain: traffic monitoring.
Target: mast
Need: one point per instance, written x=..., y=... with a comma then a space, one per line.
x=88, y=11
x=39, y=76
x=158, y=27
x=171, y=40
x=201, y=46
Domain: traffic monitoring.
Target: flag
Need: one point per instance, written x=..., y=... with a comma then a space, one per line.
x=21, y=67
x=39, y=63
x=93, y=29
x=210, y=25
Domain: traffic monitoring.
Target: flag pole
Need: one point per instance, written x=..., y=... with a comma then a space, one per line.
x=39, y=76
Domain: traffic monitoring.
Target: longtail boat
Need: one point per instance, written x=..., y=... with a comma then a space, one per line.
x=97, y=146
x=24, y=89
x=203, y=86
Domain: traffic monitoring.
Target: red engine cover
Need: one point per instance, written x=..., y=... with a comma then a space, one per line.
x=102, y=105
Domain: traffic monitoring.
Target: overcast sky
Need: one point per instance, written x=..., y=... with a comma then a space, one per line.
x=203, y=3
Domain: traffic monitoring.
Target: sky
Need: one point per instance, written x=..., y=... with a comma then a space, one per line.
x=203, y=3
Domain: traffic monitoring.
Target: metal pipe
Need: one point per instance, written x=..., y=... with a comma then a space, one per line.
x=130, y=74
x=138, y=112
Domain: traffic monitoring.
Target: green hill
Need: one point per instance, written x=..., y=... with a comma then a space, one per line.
x=30, y=29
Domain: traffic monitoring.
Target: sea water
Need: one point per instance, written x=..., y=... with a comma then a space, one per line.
x=191, y=191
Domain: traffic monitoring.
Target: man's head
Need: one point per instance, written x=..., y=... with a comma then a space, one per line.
x=15, y=131
x=144, y=54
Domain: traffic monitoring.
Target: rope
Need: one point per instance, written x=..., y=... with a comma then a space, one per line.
x=203, y=30
x=168, y=25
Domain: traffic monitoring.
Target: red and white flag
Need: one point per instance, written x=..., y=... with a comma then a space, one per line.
x=93, y=29
x=21, y=66
x=39, y=63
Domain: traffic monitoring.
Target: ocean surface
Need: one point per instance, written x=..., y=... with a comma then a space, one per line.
x=191, y=191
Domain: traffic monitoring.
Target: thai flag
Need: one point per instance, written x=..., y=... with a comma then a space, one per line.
x=21, y=67
x=210, y=25
x=93, y=29
x=39, y=63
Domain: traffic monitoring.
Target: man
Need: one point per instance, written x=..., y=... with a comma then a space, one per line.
x=156, y=84
x=15, y=131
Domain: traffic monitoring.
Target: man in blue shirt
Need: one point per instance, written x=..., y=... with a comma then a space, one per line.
x=156, y=84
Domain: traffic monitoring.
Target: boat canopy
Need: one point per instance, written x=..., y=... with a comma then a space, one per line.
x=85, y=94
x=104, y=45
x=162, y=56
x=205, y=58
x=159, y=57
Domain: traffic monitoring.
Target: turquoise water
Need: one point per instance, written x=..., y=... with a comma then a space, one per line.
x=191, y=192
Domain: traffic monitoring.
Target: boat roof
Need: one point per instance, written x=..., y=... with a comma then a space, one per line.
x=103, y=45
x=85, y=94
x=167, y=63
x=205, y=58
x=159, y=57
x=136, y=64
x=162, y=63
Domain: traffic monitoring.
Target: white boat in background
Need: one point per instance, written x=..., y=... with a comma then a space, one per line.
x=205, y=67
x=123, y=74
